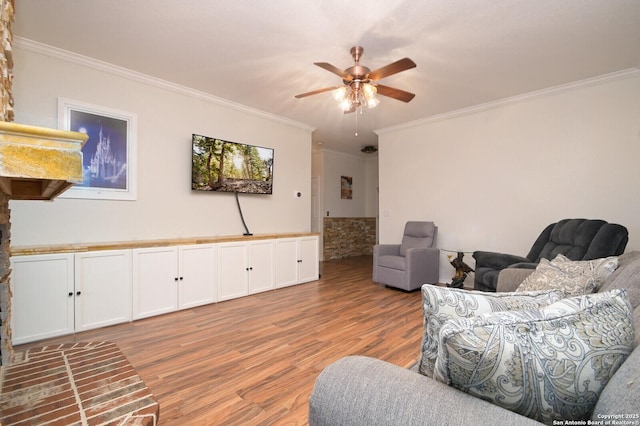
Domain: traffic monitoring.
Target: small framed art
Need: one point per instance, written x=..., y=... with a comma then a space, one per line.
x=346, y=191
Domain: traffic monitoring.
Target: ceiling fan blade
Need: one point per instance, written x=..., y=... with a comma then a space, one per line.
x=337, y=71
x=392, y=68
x=315, y=92
x=394, y=93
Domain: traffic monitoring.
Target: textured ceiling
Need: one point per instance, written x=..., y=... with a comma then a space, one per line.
x=261, y=53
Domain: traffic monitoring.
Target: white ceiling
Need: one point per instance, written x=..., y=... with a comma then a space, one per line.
x=261, y=53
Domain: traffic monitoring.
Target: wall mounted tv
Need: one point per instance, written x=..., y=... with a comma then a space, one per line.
x=223, y=166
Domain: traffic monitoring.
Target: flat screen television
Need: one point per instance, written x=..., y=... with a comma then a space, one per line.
x=223, y=166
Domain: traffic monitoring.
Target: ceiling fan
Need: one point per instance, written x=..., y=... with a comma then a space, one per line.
x=358, y=88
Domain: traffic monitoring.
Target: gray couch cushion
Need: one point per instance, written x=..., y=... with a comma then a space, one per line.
x=362, y=391
x=393, y=262
x=627, y=276
x=417, y=235
x=622, y=394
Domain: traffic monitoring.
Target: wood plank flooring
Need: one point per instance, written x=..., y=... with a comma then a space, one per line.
x=254, y=360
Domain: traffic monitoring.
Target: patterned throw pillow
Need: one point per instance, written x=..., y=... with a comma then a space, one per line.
x=440, y=304
x=573, y=278
x=549, y=364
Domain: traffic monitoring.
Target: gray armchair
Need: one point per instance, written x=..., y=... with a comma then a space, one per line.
x=414, y=262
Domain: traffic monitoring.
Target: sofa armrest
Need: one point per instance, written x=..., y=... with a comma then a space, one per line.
x=524, y=265
x=362, y=391
x=383, y=250
x=386, y=249
x=510, y=278
x=424, y=263
x=494, y=260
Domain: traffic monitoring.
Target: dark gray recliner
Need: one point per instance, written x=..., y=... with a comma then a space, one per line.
x=577, y=239
x=414, y=262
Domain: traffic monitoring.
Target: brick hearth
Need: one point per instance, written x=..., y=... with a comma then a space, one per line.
x=79, y=384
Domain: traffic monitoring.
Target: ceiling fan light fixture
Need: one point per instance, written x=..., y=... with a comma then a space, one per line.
x=359, y=88
x=369, y=93
x=345, y=104
x=369, y=90
x=340, y=93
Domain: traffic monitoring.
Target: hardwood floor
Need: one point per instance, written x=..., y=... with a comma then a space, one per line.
x=254, y=360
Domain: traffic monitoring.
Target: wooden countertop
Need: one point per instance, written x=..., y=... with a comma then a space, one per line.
x=120, y=245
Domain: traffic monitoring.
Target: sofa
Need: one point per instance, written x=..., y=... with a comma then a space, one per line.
x=577, y=239
x=358, y=390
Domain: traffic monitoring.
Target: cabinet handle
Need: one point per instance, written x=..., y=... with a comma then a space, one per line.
x=176, y=279
x=181, y=278
x=299, y=260
x=70, y=293
x=78, y=293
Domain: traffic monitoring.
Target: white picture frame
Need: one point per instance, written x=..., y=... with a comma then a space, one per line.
x=109, y=155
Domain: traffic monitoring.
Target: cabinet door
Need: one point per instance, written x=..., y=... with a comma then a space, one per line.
x=261, y=266
x=155, y=281
x=308, y=266
x=286, y=262
x=197, y=275
x=102, y=288
x=42, y=302
x=233, y=273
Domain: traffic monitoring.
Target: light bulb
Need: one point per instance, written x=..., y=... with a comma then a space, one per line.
x=373, y=102
x=340, y=93
x=345, y=105
x=369, y=90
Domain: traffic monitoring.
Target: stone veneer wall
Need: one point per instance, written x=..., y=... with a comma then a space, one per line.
x=6, y=114
x=348, y=236
x=6, y=347
x=6, y=60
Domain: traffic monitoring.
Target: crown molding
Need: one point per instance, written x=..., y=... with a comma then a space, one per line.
x=86, y=61
x=618, y=75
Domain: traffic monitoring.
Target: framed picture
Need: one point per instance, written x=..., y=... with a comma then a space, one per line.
x=109, y=155
x=346, y=183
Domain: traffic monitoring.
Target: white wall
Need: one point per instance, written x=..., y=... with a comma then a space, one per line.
x=167, y=116
x=338, y=164
x=492, y=178
x=371, y=190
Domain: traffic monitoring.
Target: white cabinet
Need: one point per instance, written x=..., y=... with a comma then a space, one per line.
x=232, y=271
x=102, y=288
x=296, y=260
x=308, y=262
x=169, y=278
x=197, y=275
x=286, y=262
x=58, y=294
x=42, y=304
x=155, y=281
x=260, y=266
x=244, y=268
